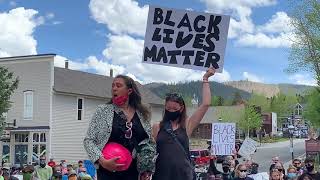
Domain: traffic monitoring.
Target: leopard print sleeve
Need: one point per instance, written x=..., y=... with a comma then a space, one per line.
x=90, y=141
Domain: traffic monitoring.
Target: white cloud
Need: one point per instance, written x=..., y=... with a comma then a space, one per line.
x=304, y=79
x=262, y=40
x=59, y=61
x=275, y=33
x=280, y=22
x=252, y=77
x=124, y=49
x=103, y=67
x=121, y=17
x=56, y=22
x=50, y=15
x=16, y=32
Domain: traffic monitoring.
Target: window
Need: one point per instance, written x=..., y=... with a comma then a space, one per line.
x=28, y=105
x=80, y=109
x=38, y=146
x=23, y=137
x=6, y=152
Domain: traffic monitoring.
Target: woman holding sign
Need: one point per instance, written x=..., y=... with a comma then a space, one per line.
x=173, y=132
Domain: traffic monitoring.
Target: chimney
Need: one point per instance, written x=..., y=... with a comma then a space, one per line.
x=66, y=64
x=111, y=72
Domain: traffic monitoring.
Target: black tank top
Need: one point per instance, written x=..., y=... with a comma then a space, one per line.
x=172, y=163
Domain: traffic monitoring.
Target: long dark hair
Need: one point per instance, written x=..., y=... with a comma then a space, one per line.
x=176, y=97
x=135, y=97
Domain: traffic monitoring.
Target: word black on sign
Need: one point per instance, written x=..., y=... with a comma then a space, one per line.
x=185, y=39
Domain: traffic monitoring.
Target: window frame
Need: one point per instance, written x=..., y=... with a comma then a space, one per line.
x=25, y=106
x=82, y=108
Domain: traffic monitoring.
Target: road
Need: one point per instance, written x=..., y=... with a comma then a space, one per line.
x=282, y=149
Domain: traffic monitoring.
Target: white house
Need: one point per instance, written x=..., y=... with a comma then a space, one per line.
x=52, y=108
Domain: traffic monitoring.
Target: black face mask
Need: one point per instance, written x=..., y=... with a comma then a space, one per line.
x=310, y=168
x=254, y=170
x=171, y=116
x=225, y=169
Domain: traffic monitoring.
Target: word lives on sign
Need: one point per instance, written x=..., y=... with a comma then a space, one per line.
x=185, y=39
x=223, y=138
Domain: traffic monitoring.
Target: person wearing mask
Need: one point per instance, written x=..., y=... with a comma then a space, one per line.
x=292, y=173
x=254, y=168
x=126, y=121
x=297, y=164
x=57, y=173
x=241, y=173
x=69, y=168
x=28, y=172
x=80, y=165
x=64, y=169
x=44, y=172
x=173, y=132
x=309, y=163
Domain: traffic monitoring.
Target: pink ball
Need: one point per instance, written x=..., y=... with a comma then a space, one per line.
x=113, y=150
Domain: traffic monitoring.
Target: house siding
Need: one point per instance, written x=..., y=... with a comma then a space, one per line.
x=68, y=132
x=34, y=76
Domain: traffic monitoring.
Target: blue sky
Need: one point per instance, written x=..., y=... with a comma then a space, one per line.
x=97, y=35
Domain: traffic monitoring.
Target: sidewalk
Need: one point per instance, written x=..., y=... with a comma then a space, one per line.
x=279, y=144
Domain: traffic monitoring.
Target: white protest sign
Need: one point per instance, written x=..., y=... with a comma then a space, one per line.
x=185, y=39
x=223, y=138
x=248, y=147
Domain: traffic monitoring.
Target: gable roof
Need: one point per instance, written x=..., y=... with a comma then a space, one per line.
x=27, y=57
x=88, y=84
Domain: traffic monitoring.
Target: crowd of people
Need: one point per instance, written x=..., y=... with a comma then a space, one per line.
x=48, y=171
x=249, y=170
x=161, y=151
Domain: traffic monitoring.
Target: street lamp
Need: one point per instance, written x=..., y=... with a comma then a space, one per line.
x=291, y=130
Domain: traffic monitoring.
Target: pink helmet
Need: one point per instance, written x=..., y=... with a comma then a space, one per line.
x=113, y=150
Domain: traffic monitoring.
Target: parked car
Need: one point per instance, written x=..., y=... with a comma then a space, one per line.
x=201, y=157
x=238, y=143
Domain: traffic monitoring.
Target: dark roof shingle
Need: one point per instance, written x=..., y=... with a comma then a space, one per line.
x=83, y=83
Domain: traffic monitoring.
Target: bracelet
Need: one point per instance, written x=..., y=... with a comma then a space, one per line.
x=205, y=81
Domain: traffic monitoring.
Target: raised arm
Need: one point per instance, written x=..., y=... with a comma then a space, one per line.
x=195, y=119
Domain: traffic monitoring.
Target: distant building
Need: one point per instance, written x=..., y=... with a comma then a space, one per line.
x=52, y=108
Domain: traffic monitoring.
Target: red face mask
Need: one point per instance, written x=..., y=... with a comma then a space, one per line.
x=120, y=100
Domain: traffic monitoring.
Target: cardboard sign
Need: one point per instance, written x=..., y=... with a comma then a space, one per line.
x=223, y=138
x=248, y=147
x=185, y=39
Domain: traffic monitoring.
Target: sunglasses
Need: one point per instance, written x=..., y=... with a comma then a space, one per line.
x=128, y=132
x=243, y=170
x=174, y=97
